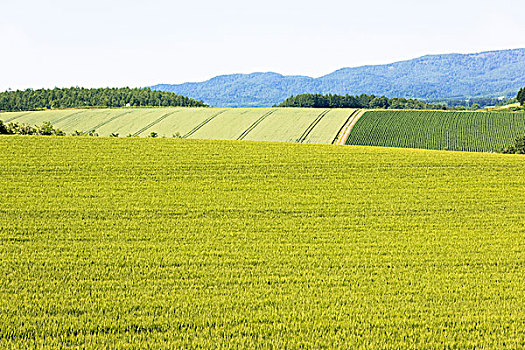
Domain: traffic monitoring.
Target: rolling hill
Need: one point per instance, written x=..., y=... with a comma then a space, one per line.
x=304, y=125
x=458, y=131
x=448, y=76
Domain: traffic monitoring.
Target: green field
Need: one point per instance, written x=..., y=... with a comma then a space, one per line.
x=462, y=131
x=165, y=243
x=256, y=124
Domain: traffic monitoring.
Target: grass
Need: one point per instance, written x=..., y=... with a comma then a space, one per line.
x=164, y=243
x=460, y=131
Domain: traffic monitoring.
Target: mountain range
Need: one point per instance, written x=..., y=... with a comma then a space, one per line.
x=431, y=78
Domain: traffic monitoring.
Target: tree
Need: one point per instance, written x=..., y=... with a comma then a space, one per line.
x=521, y=96
x=379, y=102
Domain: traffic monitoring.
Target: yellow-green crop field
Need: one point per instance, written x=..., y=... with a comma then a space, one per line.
x=167, y=243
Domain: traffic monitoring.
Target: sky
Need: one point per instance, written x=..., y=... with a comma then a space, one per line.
x=101, y=43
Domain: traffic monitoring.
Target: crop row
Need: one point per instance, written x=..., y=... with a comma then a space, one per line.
x=461, y=131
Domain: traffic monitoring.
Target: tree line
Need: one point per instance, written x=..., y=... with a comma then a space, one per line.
x=361, y=101
x=75, y=97
x=472, y=103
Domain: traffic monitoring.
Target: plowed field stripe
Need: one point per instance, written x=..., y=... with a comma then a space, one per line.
x=66, y=117
x=254, y=125
x=154, y=123
x=308, y=130
x=106, y=122
x=195, y=129
x=15, y=117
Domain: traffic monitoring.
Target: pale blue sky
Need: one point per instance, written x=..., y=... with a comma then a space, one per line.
x=137, y=43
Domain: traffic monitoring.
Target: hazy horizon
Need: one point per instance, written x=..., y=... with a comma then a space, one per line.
x=127, y=43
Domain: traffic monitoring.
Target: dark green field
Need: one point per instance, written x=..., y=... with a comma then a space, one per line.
x=162, y=243
x=459, y=131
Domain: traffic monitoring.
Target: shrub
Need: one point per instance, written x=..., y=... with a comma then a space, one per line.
x=3, y=128
x=21, y=129
x=517, y=148
x=48, y=129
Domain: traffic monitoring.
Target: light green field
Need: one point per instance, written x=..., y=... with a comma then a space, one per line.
x=164, y=243
x=132, y=123
x=33, y=118
x=90, y=120
x=283, y=124
x=329, y=126
x=183, y=121
x=231, y=124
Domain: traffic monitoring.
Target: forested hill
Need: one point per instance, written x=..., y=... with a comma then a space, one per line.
x=79, y=97
x=451, y=76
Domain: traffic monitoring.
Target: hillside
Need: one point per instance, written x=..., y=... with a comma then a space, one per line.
x=449, y=76
x=459, y=131
x=305, y=125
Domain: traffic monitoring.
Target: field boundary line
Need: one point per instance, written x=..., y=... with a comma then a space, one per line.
x=340, y=132
x=153, y=123
x=254, y=124
x=312, y=125
x=349, y=125
x=106, y=122
x=209, y=119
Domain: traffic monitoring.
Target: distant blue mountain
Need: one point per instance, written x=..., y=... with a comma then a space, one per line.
x=432, y=77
